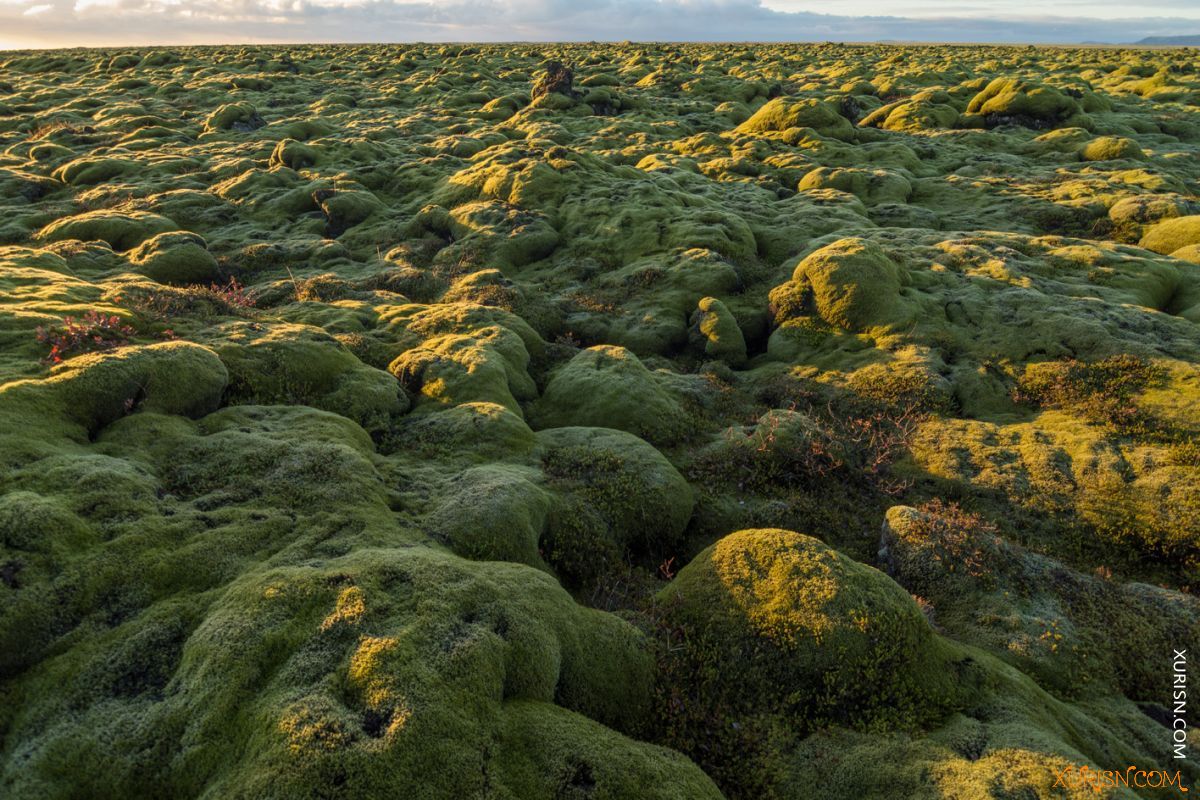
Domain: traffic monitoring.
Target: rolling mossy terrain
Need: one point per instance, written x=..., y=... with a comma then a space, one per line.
x=608, y=421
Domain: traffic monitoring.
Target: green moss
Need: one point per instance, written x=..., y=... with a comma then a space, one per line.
x=778, y=608
x=302, y=365
x=826, y=280
x=32, y=523
x=346, y=207
x=913, y=116
x=902, y=386
x=1111, y=148
x=783, y=113
x=623, y=498
x=870, y=186
x=607, y=386
x=772, y=608
x=93, y=169
x=1171, y=235
x=122, y=230
x=171, y=377
x=293, y=154
x=178, y=257
x=1024, y=102
x=855, y=285
x=586, y=759
x=483, y=429
x=1145, y=209
x=495, y=513
x=489, y=365
x=233, y=116
x=717, y=329
x=508, y=237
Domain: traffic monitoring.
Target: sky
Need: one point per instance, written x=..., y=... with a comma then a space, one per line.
x=68, y=23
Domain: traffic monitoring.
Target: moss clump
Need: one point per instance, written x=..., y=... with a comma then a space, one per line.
x=783, y=447
x=779, y=608
x=346, y=207
x=495, y=513
x=1069, y=630
x=169, y=377
x=1171, y=235
x=487, y=430
x=784, y=113
x=1014, y=101
x=904, y=388
x=233, y=116
x=609, y=387
x=555, y=754
x=772, y=608
x=716, y=330
x=1145, y=209
x=91, y=170
x=870, y=186
x=177, y=258
x=122, y=230
x=1190, y=253
x=302, y=365
x=505, y=237
x=854, y=284
x=1111, y=148
x=293, y=154
x=913, y=116
x=489, y=365
x=619, y=498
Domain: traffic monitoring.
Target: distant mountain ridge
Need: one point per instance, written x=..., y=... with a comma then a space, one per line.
x=1190, y=40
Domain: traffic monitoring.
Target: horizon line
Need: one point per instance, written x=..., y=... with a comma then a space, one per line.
x=742, y=42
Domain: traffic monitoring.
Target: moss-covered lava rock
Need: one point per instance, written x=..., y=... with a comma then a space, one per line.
x=520, y=420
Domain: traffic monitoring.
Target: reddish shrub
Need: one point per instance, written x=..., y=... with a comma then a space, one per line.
x=93, y=331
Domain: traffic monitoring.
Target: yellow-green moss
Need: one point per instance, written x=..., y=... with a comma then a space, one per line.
x=609, y=387
x=1172, y=234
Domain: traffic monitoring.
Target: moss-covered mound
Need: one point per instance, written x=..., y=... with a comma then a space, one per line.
x=619, y=497
x=1111, y=148
x=1012, y=101
x=1172, y=235
x=853, y=283
x=608, y=386
x=716, y=329
x=177, y=258
x=782, y=114
x=433, y=420
x=1071, y=631
x=123, y=231
x=777, y=608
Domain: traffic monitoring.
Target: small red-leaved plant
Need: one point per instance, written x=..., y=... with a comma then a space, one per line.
x=91, y=332
x=233, y=293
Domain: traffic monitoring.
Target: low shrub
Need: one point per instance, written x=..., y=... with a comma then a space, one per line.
x=90, y=333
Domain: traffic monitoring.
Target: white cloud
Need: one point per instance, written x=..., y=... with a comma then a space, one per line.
x=114, y=22
x=82, y=6
x=995, y=9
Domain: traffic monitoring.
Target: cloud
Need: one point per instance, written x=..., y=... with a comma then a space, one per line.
x=138, y=22
x=994, y=9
